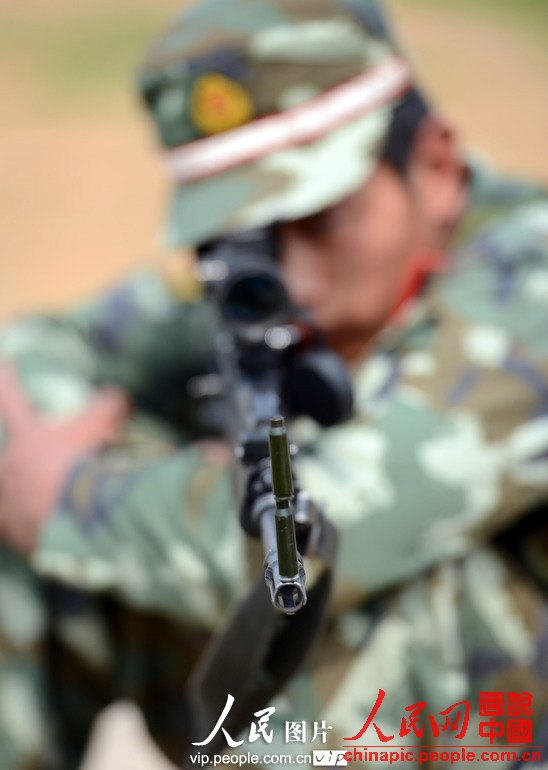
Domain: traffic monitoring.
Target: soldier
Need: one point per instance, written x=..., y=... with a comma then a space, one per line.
x=426, y=271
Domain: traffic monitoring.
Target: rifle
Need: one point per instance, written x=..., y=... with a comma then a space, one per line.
x=273, y=366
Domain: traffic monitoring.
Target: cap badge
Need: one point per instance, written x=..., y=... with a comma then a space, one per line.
x=218, y=103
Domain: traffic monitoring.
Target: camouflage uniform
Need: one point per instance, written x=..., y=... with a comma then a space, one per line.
x=446, y=451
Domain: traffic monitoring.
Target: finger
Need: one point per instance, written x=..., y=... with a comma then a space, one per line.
x=15, y=408
x=101, y=421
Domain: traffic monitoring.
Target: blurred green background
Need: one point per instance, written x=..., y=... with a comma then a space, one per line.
x=82, y=190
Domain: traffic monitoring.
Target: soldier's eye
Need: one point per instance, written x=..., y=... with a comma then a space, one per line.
x=325, y=222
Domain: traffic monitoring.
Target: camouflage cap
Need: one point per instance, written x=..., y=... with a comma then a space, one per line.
x=269, y=109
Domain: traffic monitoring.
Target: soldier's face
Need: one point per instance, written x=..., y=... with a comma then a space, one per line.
x=345, y=264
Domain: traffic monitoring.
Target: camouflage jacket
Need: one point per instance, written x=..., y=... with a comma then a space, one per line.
x=446, y=452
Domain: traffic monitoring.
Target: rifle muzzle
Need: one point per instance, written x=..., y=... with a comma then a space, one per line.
x=288, y=593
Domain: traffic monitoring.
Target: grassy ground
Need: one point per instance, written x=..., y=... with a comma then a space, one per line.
x=82, y=192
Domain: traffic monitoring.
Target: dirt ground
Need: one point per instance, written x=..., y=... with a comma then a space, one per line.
x=82, y=190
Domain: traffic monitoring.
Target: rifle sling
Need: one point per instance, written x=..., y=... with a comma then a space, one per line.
x=255, y=654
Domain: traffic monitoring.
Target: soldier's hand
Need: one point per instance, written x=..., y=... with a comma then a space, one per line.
x=120, y=739
x=39, y=452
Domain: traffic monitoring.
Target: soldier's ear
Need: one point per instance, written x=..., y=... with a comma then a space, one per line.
x=436, y=175
x=435, y=149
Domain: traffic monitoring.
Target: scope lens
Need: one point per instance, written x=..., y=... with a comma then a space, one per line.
x=255, y=299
